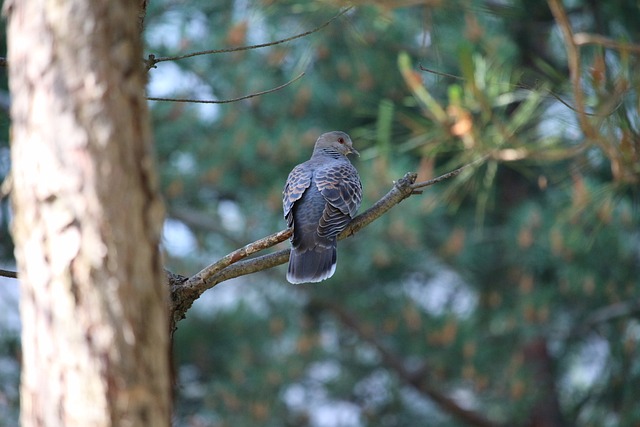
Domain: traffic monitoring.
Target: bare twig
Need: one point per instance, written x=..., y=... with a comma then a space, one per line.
x=582, y=39
x=152, y=60
x=418, y=379
x=531, y=89
x=440, y=73
x=573, y=60
x=226, y=101
x=8, y=273
x=235, y=264
x=418, y=185
x=605, y=314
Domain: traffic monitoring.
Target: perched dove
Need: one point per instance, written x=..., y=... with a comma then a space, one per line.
x=320, y=198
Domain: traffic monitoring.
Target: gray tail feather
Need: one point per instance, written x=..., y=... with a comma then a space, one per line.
x=311, y=265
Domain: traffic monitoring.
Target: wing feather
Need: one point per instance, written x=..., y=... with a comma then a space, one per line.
x=297, y=183
x=341, y=187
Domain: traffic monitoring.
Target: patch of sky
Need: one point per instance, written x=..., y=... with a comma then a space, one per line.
x=443, y=292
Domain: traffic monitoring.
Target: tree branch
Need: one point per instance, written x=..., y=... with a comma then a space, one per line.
x=8, y=273
x=534, y=89
x=226, y=101
x=573, y=61
x=184, y=294
x=418, y=185
x=417, y=379
x=605, y=314
x=184, y=291
x=581, y=39
x=152, y=60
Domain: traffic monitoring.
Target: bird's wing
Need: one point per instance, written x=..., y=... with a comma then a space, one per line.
x=341, y=187
x=297, y=183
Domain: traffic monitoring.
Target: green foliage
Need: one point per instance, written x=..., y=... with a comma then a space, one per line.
x=511, y=289
x=502, y=287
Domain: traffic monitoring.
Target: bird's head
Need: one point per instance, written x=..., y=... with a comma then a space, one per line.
x=336, y=141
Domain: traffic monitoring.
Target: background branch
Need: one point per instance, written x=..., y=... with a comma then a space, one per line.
x=582, y=39
x=534, y=89
x=8, y=273
x=152, y=60
x=573, y=60
x=417, y=379
x=605, y=314
x=226, y=101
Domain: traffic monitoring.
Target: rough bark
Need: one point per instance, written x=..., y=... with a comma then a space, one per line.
x=87, y=217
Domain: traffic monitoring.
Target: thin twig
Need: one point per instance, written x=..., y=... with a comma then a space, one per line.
x=418, y=185
x=440, y=73
x=226, y=101
x=152, y=60
x=605, y=314
x=573, y=61
x=533, y=89
x=581, y=39
x=8, y=273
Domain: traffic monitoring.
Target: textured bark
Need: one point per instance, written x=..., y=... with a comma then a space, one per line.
x=87, y=217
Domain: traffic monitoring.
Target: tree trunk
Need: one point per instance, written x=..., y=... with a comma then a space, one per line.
x=87, y=217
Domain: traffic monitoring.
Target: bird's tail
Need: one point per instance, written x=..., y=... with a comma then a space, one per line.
x=312, y=265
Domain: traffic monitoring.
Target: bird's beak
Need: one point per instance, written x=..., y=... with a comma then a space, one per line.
x=354, y=151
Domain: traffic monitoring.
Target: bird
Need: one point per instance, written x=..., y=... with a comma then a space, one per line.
x=320, y=198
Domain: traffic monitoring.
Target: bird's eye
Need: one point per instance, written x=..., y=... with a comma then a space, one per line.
x=341, y=140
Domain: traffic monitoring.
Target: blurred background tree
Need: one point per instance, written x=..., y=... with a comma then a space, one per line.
x=506, y=296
